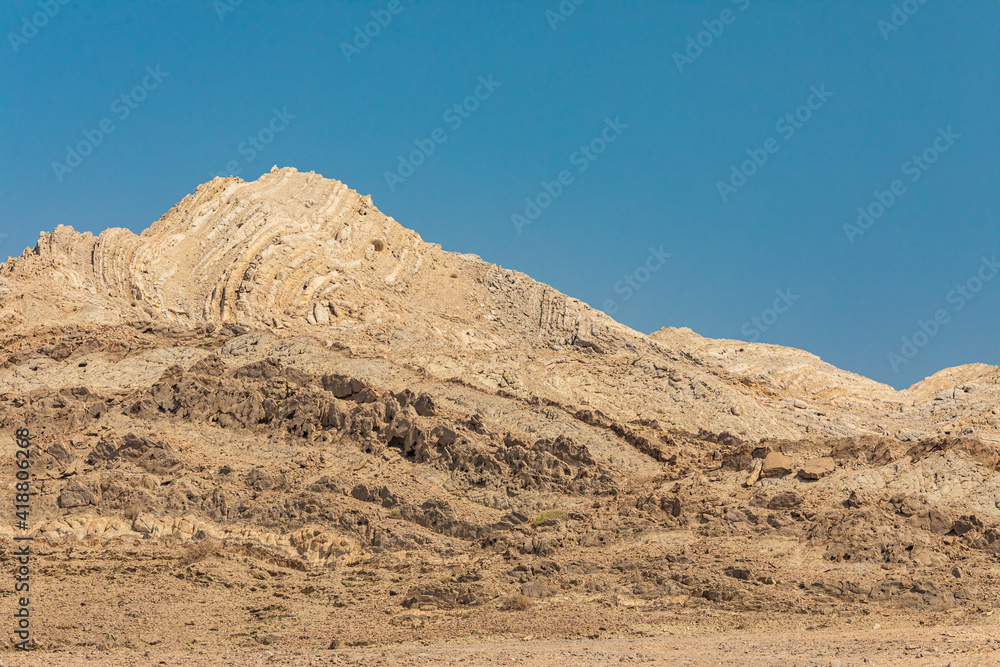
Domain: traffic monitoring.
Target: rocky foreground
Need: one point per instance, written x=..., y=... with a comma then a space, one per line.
x=279, y=421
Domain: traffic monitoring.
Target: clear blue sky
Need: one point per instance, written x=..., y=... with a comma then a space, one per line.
x=673, y=123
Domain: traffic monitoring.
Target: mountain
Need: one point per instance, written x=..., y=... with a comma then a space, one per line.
x=279, y=398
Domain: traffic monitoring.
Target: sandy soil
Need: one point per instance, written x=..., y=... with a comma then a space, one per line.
x=959, y=646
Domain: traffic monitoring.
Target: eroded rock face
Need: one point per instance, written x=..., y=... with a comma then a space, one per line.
x=295, y=254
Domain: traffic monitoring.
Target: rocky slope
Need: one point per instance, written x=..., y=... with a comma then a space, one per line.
x=280, y=399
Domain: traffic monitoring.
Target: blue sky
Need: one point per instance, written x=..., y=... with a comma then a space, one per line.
x=692, y=164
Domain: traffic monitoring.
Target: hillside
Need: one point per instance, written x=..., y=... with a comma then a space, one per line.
x=278, y=417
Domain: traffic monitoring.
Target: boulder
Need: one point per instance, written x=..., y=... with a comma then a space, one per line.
x=817, y=468
x=776, y=464
x=75, y=494
x=755, y=472
x=933, y=521
x=784, y=501
x=424, y=405
x=321, y=313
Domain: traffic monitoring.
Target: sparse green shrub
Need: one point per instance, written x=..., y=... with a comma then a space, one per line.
x=550, y=515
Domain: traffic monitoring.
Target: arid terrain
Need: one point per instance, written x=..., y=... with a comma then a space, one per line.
x=279, y=427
